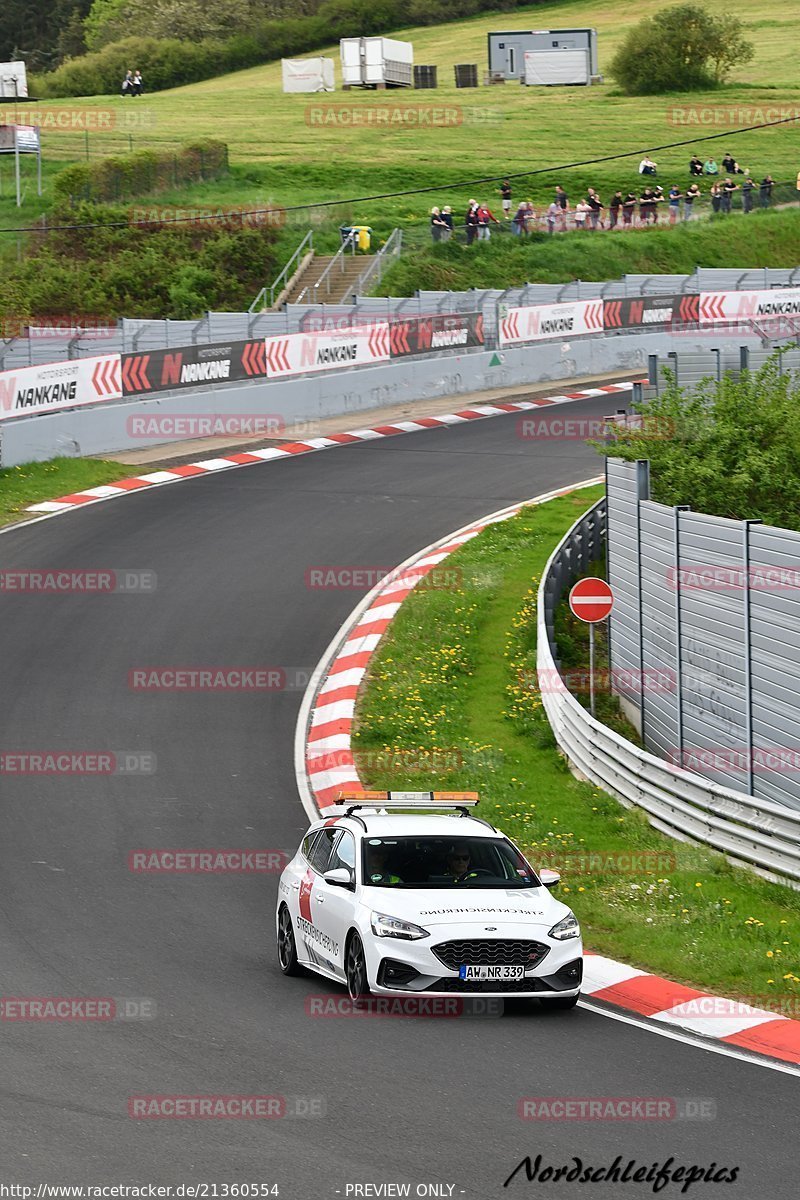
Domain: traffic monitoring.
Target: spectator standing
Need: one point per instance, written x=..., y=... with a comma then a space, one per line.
x=447, y=219
x=596, y=208
x=710, y=167
x=747, y=193
x=138, y=83
x=765, y=191
x=505, y=193
x=519, y=221
x=798, y=179
x=127, y=84
x=658, y=197
x=716, y=197
x=628, y=208
x=582, y=211
x=675, y=197
x=471, y=221
x=614, y=208
x=728, y=188
x=562, y=200
x=647, y=203
x=692, y=192
x=437, y=225
x=553, y=214
x=695, y=165
x=530, y=217
x=485, y=215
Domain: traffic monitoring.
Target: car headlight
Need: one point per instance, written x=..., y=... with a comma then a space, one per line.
x=385, y=926
x=566, y=928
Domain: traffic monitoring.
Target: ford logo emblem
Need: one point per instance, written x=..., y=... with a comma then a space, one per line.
x=490, y=928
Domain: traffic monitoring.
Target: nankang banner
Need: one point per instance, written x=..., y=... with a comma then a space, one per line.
x=539, y=322
x=639, y=312
x=192, y=366
x=427, y=335
x=31, y=390
x=327, y=350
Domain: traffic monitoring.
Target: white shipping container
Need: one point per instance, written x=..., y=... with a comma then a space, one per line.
x=557, y=67
x=376, y=61
x=13, y=80
x=307, y=74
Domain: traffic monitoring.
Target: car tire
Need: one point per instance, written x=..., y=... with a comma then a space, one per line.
x=287, y=947
x=559, y=1003
x=355, y=967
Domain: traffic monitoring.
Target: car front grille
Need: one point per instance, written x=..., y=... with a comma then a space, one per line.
x=452, y=983
x=490, y=952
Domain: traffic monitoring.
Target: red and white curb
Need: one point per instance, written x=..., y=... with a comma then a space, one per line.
x=325, y=766
x=136, y=483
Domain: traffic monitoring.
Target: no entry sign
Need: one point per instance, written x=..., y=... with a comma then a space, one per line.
x=591, y=600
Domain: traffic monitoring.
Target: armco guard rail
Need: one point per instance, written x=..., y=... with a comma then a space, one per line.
x=763, y=836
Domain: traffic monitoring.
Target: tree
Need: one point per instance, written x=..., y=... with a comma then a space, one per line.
x=683, y=48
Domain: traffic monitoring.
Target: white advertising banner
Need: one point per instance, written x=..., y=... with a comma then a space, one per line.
x=539, y=322
x=736, y=306
x=307, y=74
x=54, y=386
x=330, y=349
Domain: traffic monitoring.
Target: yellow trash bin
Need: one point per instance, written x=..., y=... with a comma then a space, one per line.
x=364, y=236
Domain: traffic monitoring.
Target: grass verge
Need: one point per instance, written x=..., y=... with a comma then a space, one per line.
x=31, y=483
x=448, y=703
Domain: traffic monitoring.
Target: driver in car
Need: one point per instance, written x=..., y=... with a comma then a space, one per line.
x=377, y=862
x=458, y=861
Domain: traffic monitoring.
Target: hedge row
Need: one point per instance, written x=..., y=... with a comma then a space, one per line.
x=172, y=63
x=136, y=174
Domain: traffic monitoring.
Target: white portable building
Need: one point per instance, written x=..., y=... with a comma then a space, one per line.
x=376, y=62
x=307, y=74
x=13, y=80
x=553, y=68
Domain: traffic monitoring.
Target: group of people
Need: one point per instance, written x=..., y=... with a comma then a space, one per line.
x=132, y=84
x=624, y=210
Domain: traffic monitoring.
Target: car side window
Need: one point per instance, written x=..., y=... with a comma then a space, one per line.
x=345, y=854
x=321, y=849
x=308, y=843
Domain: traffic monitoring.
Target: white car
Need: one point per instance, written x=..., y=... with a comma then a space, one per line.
x=408, y=893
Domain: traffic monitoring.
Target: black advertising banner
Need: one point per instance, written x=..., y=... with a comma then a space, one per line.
x=637, y=312
x=192, y=366
x=427, y=335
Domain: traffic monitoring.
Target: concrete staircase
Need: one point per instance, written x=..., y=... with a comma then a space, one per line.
x=337, y=286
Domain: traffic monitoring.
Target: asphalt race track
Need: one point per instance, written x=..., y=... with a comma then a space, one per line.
x=417, y=1101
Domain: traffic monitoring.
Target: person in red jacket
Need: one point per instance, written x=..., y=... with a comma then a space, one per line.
x=485, y=216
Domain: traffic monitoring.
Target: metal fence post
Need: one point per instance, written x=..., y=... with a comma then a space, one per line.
x=748, y=663
x=677, y=510
x=719, y=363
x=652, y=371
x=744, y=358
x=673, y=354
x=642, y=493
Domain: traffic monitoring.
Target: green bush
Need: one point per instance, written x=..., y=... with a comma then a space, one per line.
x=113, y=268
x=140, y=173
x=680, y=49
x=732, y=448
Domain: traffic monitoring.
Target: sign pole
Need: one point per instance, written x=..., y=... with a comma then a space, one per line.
x=16, y=164
x=591, y=669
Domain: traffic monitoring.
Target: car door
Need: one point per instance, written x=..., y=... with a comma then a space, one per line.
x=311, y=942
x=333, y=906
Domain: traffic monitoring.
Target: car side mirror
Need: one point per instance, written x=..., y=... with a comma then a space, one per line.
x=549, y=878
x=339, y=877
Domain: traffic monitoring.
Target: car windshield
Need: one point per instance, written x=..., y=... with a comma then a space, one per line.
x=444, y=862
